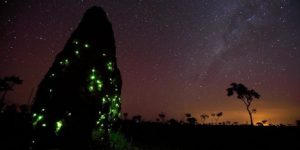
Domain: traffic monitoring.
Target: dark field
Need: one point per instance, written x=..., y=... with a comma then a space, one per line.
x=16, y=133
x=165, y=136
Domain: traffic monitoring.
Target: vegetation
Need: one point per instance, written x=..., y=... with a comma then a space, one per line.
x=204, y=117
x=162, y=116
x=17, y=131
x=136, y=134
x=7, y=84
x=245, y=95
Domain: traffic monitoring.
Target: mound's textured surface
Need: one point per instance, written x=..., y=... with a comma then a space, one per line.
x=80, y=95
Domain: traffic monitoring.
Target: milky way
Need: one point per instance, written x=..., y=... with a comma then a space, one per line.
x=175, y=56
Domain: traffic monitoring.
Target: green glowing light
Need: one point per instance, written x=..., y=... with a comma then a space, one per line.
x=76, y=42
x=103, y=100
x=113, y=111
x=38, y=119
x=115, y=98
x=91, y=88
x=86, y=45
x=66, y=61
x=92, y=77
x=110, y=66
x=95, y=84
x=77, y=52
x=99, y=86
x=59, y=125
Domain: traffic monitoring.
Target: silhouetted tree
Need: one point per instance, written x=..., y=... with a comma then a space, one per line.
x=245, y=95
x=216, y=116
x=213, y=114
x=125, y=115
x=137, y=118
x=192, y=120
x=228, y=122
x=188, y=115
x=162, y=116
x=298, y=122
x=181, y=122
x=264, y=121
x=173, y=121
x=3, y=85
x=204, y=117
x=7, y=84
x=219, y=115
x=235, y=123
x=259, y=124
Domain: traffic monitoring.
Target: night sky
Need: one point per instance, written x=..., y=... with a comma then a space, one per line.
x=175, y=56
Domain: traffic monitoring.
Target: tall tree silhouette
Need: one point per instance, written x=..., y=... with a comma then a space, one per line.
x=125, y=115
x=137, y=118
x=218, y=116
x=188, y=115
x=192, y=120
x=162, y=116
x=264, y=121
x=203, y=118
x=7, y=84
x=80, y=94
x=245, y=95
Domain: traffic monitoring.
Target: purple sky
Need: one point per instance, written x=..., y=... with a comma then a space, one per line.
x=175, y=56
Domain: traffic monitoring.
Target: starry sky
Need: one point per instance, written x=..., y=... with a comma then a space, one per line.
x=175, y=56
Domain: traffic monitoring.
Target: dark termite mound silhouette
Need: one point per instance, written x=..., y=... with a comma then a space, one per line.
x=78, y=100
